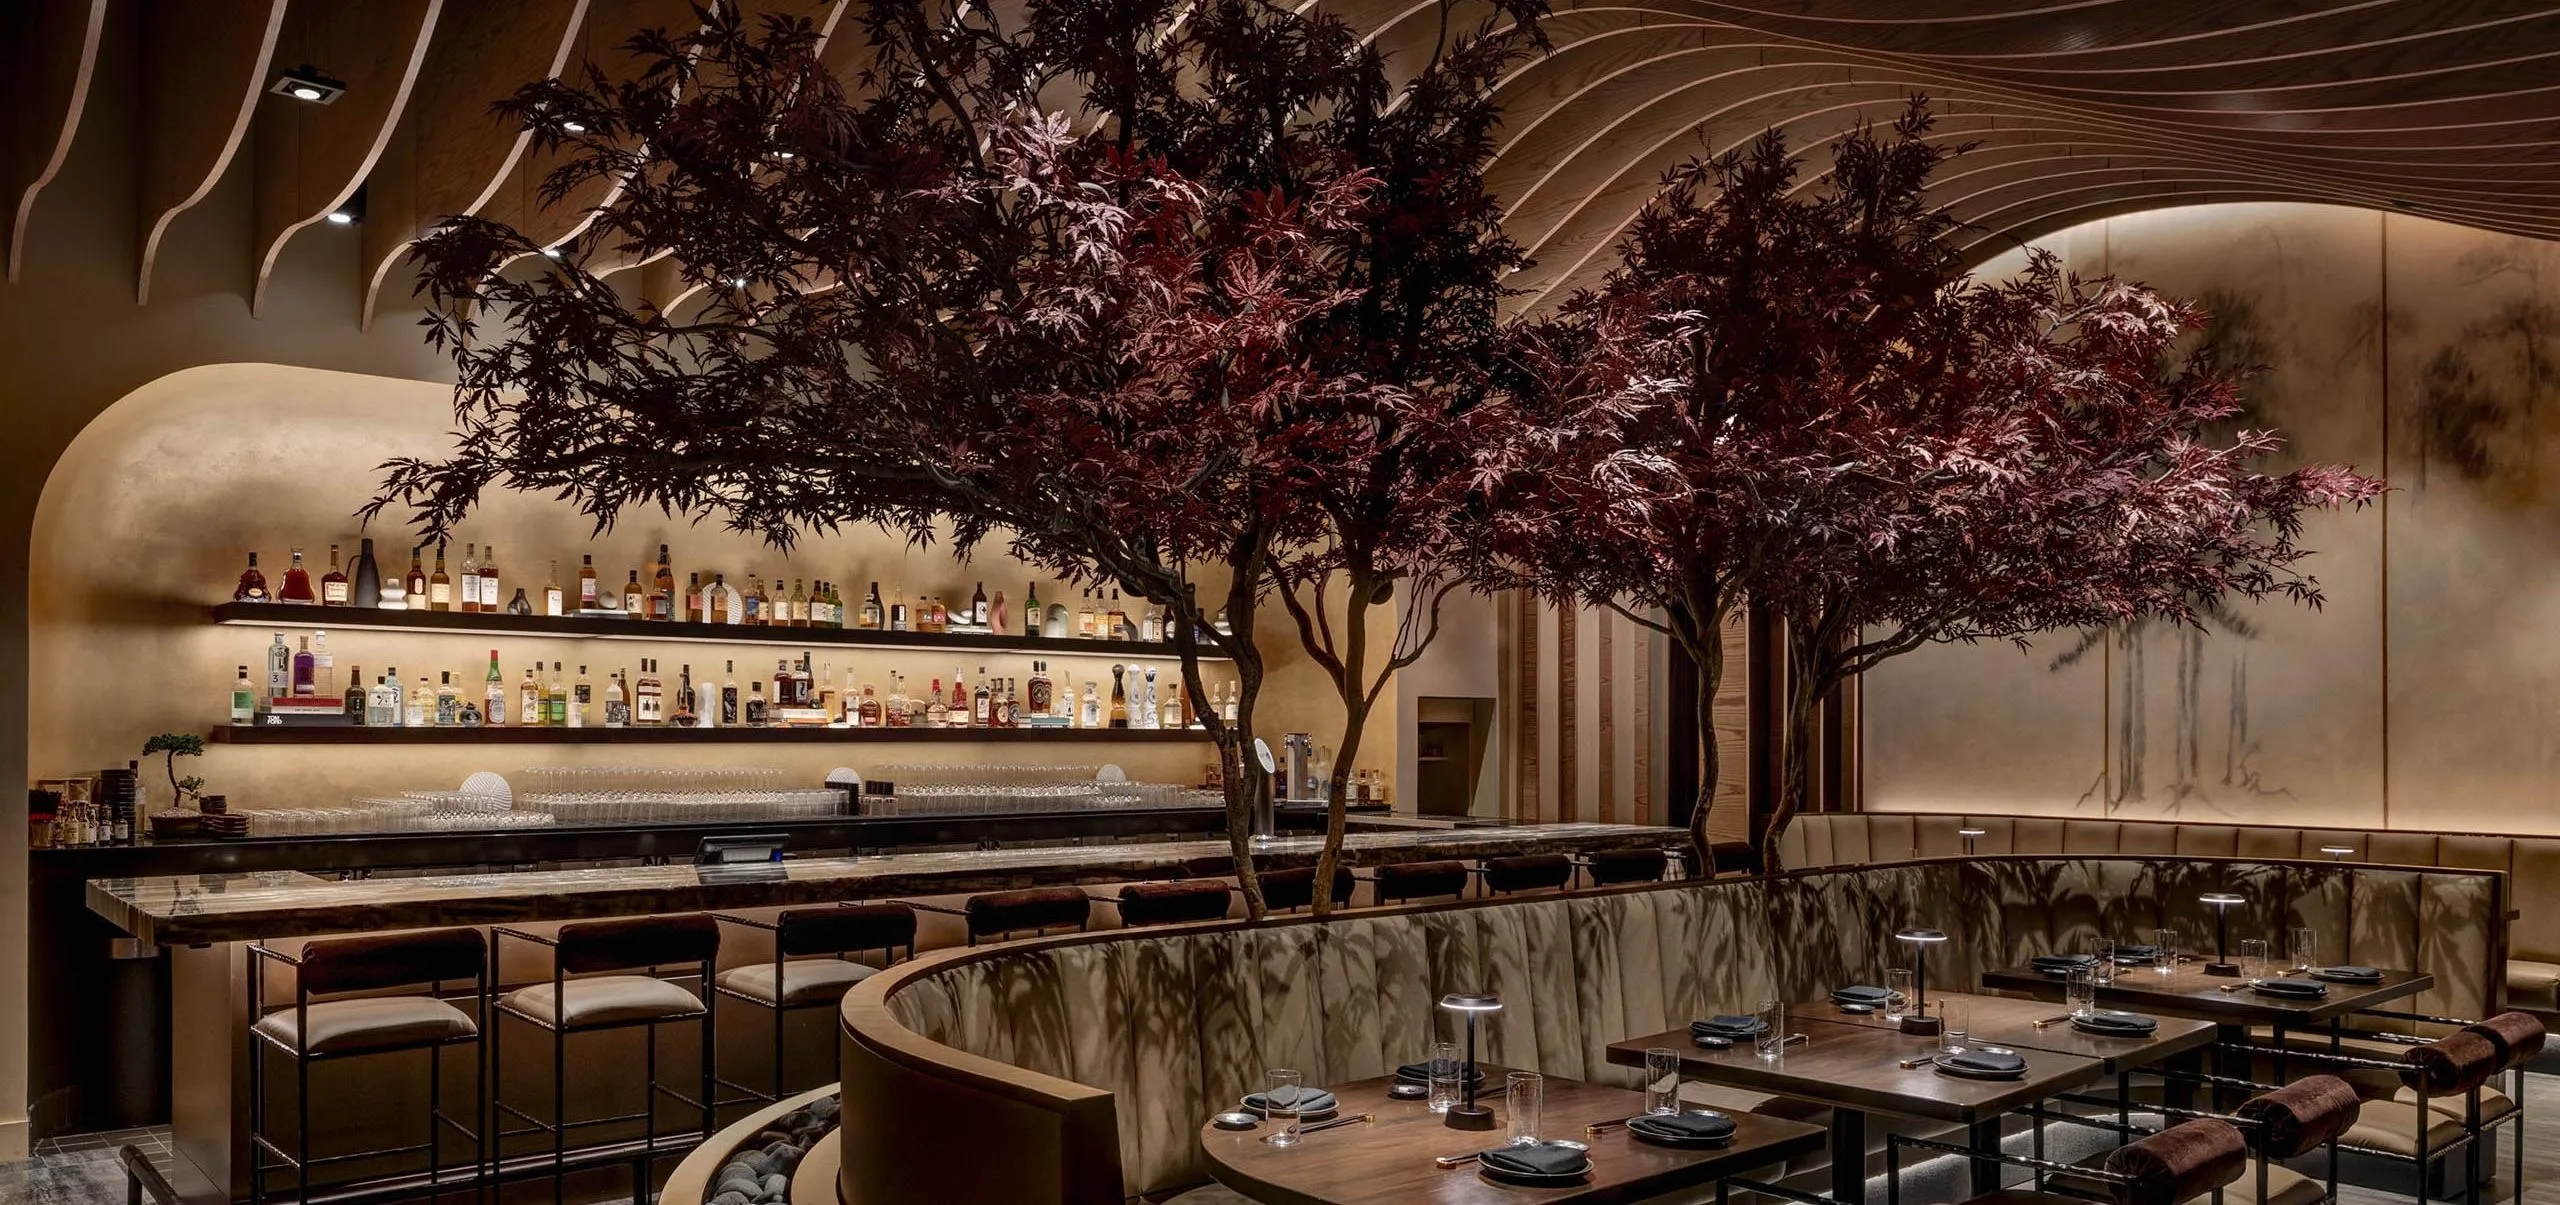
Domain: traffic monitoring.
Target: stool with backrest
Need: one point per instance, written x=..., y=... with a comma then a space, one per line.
x=1180, y=901
x=2190, y=1161
x=616, y=986
x=314, y=1031
x=813, y=963
x=1295, y=887
x=1032, y=910
x=2423, y=1107
x=1403, y=882
x=1610, y=867
x=1526, y=872
x=2277, y=1125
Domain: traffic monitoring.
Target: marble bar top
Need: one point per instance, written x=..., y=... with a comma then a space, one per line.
x=200, y=909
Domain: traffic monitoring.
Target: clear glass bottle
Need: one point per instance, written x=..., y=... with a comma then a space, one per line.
x=582, y=699
x=422, y=704
x=493, y=707
x=448, y=702
x=1091, y=714
x=468, y=600
x=279, y=668
x=617, y=702
x=244, y=699
x=439, y=585
x=529, y=701
x=489, y=591
x=324, y=667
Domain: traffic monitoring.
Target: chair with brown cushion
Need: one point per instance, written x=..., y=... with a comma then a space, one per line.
x=1181, y=901
x=355, y=1025
x=1526, y=872
x=605, y=976
x=1034, y=910
x=1403, y=882
x=1610, y=867
x=813, y=964
x=2436, y=1106
x=2189, y=1161
x=1293, y=888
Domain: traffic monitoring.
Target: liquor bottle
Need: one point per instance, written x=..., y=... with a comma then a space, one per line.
x=937, y=714
x=1176, y=700
x=897, y=608
x=835, y=606
x=783, y=684
x=716, y=600
x=982, y=711
x=470, y=597
x=252, y=582
x=552, y=599
x=617, y=702
x=489, y=581
x=729, y=696
x=421, y=704
x=324, y=668
x=694, y=607
x=582, y=701
x=353, y=703
x=941, y=615
x=1119, y=697
x=395, y=696
x=1031, y=613
x=866, y=709
x=1152, y=628
x=494, y=699
x=1085, y=618
x=378, y=709
x=588, y=599
x=1090, y=715
x=414, y=585
x=872, y=616
x=296, y=588
x=530, y=709
x=1149, y=709
x=1001, y=714
x=519, y=605
x=818, y=605
x=244, y=699
x=448, y=702
x=555, y=700
x=827, y=697
x=895, y=715
x=978, y=615
x=1235, y=697
x=635, y=603
x=794, y=611
x=648, y=699
x=685, y=716
x=279, y=669
x=368, y=584
x=1041, y=688
x=662, y=587
x=440, y=587
x=706, y=702
x=333, y=585
x=1116, y=625
x=759, y=713
x=754, y=606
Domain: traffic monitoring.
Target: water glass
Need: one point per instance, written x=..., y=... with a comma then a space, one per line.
x=1772, y=1038
x=1280, y=1105
x=2303, y=947
x=2166, y=942
x=1897, y=988
x=2080, y=990
x=1446, y=1071
x=2253, y=959
x=1525, y=1094
x=1662, y=1080
x=1952, y=1024
x=2103, y=971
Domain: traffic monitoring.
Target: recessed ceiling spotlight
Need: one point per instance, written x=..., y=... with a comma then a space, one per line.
x=350, y=212
x=551, y=253
x=574, y=127
x=308, y=83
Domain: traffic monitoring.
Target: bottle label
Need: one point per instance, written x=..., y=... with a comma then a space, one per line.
x=729, y=705
x=550, y=602
x=617, y=714
x=334, y=593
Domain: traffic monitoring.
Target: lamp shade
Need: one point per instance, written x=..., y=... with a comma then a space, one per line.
x=1921, y=936
x=1972, y=832
x=2222, y=899
x=1471, y=1002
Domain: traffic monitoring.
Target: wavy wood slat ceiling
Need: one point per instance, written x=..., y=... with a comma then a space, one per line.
x=2079, y=108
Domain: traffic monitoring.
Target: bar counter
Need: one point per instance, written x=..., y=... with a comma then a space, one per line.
x=200, y=909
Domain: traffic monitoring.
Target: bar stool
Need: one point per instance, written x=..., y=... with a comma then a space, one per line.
x=1033, y=910
x=603, y=1001
x=1526, y=872
x=1399, y=882
x=1294, y=888
x=309, y=1032
x=823, y=940
x=1181, y=901
x=1610, y=867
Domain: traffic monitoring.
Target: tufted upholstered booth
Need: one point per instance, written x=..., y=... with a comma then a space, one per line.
x=1079, y=1068
x=2532, y=971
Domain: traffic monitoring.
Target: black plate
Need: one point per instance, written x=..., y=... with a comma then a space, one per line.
x=1944, y=1068
x=1535, y=1179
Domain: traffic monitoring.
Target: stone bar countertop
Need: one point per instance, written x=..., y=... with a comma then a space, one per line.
x=200, y=909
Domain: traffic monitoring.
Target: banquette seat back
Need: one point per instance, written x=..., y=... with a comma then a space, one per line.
x=1096, y=1057
x=2528, y=965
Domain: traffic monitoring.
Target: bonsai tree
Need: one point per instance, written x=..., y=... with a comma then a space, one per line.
x=174, y=745
x=1795, y=395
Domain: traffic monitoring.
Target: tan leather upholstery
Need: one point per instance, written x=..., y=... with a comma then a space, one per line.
x=2159, y=839
x=2256, y=841
x=804, y=981
x=2493, y=1103
x=2534, y=986
x=2035, y=835
x=2206, y=840
x=2534, y=892
x=370, y=1023
x=605, y=1000
x=2285, y=1186
x=2401, y=849
x=2090, y=836
x=2392, y=1126
x=2474, y=853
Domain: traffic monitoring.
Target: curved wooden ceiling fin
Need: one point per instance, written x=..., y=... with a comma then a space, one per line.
x=54, y=55
x=312, y=158
x=204, y=69
x=450, y=154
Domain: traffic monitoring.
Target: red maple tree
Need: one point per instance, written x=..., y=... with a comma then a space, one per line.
x=1797, y=397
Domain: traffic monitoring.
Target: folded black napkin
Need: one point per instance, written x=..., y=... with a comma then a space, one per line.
x=1859, y=993
x=1307, y=1100
x=1996, y=1061
x=1537, y=1159
x=2062, y=964
x=2300, y=989
x=1695, y=1127
x=1726, y=1025
x=2349, y=974
x=1420, y=1073
x=2137, y=955
x=2117, y=1022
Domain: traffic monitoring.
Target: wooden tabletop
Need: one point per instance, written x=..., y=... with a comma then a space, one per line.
x=1388, y=1160
x=2011, y=1022
x=2188, y=992
x=1859, y=1067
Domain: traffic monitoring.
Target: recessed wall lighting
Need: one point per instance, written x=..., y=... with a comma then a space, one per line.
x=551, y=253
x=574, y=127
x=348, y=212
x=308, y=83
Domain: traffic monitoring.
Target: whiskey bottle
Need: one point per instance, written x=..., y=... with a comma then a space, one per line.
x=421, y=703
x=368, y=583
x=1040, y=697
x=753, y=611
x=759, y=713
x=1031, y=614
x=685, y=716
x=662, y=587
x=828, y=699
x=729, y=695
x=489, y=598
x=244, y=699
x=494, y=697
x=333, y=586
x=353, y=704
x=782, y=683
x=1116, y=622
x=1086, y=621
x=635, y=604
x=982, y=712
x=470, y=583
x=530, y=709
x=978, y=616
x=648, y=698
x=895, y=715
x=297, y=583
x=440, y=586
x=897, y=609
x=552, y=600
x=588, y=600
x=1119, y=697
x=941, y=615
x=795, y=610
x=937, y=714
x=414, y=586
x=448, y=702
x=867, y=713
x=617, y=702
x=555, y=700
x=871, y=619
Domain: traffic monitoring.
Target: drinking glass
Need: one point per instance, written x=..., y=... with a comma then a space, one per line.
x=1661, y=1080
x=1772, y=1038
x=2166, y=942
x=1897, y=988
x=2253, y=959
x=1446, y=1071
x=1953, y=1023
x=2103, y=971
x=2303, y=947
x=1526, y=1093
x=2080, y=990
x=1280, y=1105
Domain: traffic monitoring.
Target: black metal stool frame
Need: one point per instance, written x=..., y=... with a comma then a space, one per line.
x=260, y=1147
x=782, y=1011
x=2427, y=1154
x=559, y=1125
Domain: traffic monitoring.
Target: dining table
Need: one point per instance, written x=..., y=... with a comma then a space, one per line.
x=1392, y=1157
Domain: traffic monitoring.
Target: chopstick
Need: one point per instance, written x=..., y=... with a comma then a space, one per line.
x=2050, y=1022
x=1305, y=1130
x=1446, y=1162
x=1603, y=1127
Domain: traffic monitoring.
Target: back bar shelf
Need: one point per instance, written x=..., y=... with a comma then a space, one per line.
x=582, y=627
x=349, y=734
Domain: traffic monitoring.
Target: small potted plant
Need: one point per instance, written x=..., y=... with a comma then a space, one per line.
x=183, y=817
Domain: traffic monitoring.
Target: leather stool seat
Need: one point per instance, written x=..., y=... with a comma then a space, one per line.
x=1610, y=866
x=1421, y=880
x=803, y=982
x=1527, y=872
x=370, y=1023
x=1030, y=908
x=1173, y=903
x=604, y=1000
x=1295, y=887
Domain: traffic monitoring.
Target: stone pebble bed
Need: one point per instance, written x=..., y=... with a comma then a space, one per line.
x=759, y=1171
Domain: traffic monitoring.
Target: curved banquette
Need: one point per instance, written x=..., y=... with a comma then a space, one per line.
x=2532, y=973
x=1079, y=1068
